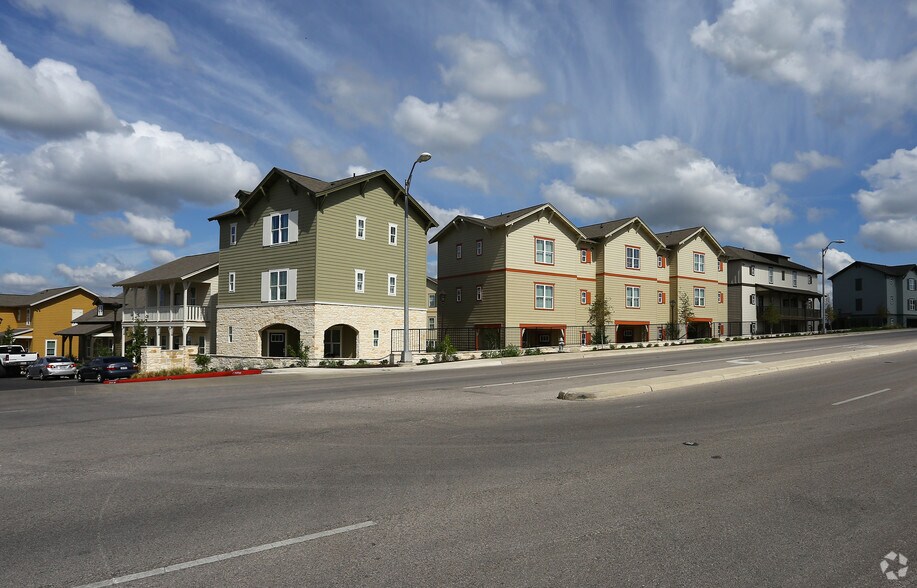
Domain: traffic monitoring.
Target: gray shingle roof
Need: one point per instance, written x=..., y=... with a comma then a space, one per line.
x=675, y=237
x=599, y=230
x=174, y=270
x=764, y=258
x=889, y=270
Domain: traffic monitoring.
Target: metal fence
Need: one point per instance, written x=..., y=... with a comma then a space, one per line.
x=485, y=338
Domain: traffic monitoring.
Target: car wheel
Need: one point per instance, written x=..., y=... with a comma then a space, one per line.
x=28, y=376
x=80, y=378
x=99, y=378
x=41, y=376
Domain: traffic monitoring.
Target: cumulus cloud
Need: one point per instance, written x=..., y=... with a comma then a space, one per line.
x=802, y=44
x=812, y=242
x=328, y=164
x=572, y=203
x=98, y=277
x=671, y=185
x=50, y=98
x=813, y=214
x=444, y=215
x=461, y=123
x=115, y=20
x=890, y=207
x=806, y=163
x=161, y=256
x=149, y=231
x=24, y=223
x=835, y=261
x=145, y=169
x=349, y=103
x=16, y=283
x=470, y=177
x=485, y=70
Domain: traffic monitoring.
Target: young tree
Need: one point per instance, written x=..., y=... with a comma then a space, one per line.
x=7, y=337
x=138, y=340
x=685, y=310
x=599, y=314
x=771, y=317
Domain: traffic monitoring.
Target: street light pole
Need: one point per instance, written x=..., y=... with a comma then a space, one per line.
x=406, y=356
x=824, y=328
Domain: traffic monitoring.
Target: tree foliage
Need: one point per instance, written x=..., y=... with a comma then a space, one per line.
x=600, y=312
x=138, y=340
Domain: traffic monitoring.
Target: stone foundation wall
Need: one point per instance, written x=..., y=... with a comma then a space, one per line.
x=247, y=323
x=154, y=359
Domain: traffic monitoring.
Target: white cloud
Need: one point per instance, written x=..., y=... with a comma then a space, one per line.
x=470, y=177
x=116, y=20
x=572, y=203
x=444, y=215
x=98, y=277
x=50, y=98
x=327, y=164
x=149, y=231
x=161, y=256
x=890, y=208
x=813, y=242
x=349, y=102
x=835, y=261
x=671, y=185
x=144, y=168
x=458, y=124
x=484, y=70
x=802, y=44
x=24, y=223
x=15, y=283
x=814, y=215
x=805, y=163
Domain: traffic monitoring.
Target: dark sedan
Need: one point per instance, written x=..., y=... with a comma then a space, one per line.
x=106, y=368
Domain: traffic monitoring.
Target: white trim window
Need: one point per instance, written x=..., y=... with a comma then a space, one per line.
x=795, y=277
x=278, y=285
x=50, y=347
x=431, y=301
x=100, y=310
x=458, y=294
x=912, y=304
x=458, y=250
x=632, y=296
x=392, y=234
x=231, y=286
x=700, y=297
x=632, y=257
x=431, y=323
x=229, y=335
x=912, y=284
x=770, y=275
x=233, y=233
x=583, y=256
x=751, y=270
x=361, y=228
x=752, y=299
x=375, y=337
x=699, y=263
x=280, y=228
x=544, y=251
x=479, y=247
x=359, y=281
x=544, y=296
x=479, y=293
x=392, y=284
x=583, y=296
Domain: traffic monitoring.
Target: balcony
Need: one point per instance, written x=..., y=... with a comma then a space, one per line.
x=166, y=314
x=791, y=313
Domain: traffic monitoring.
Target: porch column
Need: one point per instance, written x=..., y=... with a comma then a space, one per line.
x=158, y=336
x=170, y=336
x=123, y=340
x=171, y=303
x=184, y=334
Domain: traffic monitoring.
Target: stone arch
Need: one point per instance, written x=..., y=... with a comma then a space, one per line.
x=276, y=337
x=340, y=341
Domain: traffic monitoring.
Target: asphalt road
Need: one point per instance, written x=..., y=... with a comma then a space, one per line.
x=469, y=479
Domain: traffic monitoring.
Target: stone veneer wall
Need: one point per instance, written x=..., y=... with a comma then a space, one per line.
x=154, y=359
x=311, y=320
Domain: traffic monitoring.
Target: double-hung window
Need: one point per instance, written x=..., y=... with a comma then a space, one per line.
x=359, y=281
x=479, y=293
x=233, y=233
x=458, y=294
x=660, y=297
x=544, y=296
x=361, y=228
x=912, y=284
x=278, y=285
x=392, y=284
x=280, y=228
x=751, y=271
x=544, y=251
x=431, y=301
x=632, y=257
x=770, y=275
x=699, y=263
x=795, y=277
x=458, y=250
x=375, y=337
x=392, y=234
x=232, y=282
x=479, y=247
x=632, y=296
x=660, y=261
x=700, y=297
x=912, y=303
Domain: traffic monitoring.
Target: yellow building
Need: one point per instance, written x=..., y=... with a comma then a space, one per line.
x=34, y=319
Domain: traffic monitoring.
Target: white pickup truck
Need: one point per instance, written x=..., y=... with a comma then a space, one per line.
x=14, y=359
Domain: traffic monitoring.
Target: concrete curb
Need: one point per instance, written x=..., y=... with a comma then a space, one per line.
x=617, y=390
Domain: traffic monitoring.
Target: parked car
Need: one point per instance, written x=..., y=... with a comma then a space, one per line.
x=14, y=359
x=52, y=366
x=106, y=368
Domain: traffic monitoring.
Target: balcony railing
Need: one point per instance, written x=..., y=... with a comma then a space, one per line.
x=789, y=312
x=166, y=314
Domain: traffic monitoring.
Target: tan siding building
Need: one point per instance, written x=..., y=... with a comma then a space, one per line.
x=34, y=319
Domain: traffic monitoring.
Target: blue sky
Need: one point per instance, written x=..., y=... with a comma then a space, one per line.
x=778, y=124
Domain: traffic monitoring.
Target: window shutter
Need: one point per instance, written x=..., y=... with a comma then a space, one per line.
x=265, y=286
x=265, y=231
x=291, y=284
x=588, y=297
x=294, y=226
x=589, y=256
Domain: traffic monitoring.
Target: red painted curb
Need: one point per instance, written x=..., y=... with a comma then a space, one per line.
x=187, y=376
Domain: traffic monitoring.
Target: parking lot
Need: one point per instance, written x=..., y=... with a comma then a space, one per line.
x=19, y=383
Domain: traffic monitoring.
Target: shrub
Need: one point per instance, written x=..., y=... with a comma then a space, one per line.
x=203, y=362
x=385, y=362
x=533, y=351
x=162, y=373
x=362, y=363
x=300, y=352
x=511, y=351
x=447, y=351
x=423, y=361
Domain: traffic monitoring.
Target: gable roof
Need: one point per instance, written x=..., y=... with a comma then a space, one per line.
x=675, y=238
x=40, y=297
x=508, y=219
x=897, y=271
x=764, y=258
x=608, y=228
x=177, y=269
x=317, y=188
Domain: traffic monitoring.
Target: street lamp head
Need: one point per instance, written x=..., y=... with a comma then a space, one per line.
x=840, y=241
x=423, y=157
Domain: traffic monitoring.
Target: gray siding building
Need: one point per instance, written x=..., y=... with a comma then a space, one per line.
x=875, y=295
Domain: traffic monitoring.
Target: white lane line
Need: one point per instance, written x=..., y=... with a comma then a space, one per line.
x=859, y=397
x=643, y=369
x=225, y=556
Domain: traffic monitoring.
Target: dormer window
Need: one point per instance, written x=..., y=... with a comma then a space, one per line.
x=100, y=310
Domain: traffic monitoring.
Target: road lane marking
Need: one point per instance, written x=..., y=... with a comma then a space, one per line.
x=225, y=556
x=859, y=397
x=744, y=361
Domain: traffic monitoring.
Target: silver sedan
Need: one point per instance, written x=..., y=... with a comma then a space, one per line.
x=51, y=367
